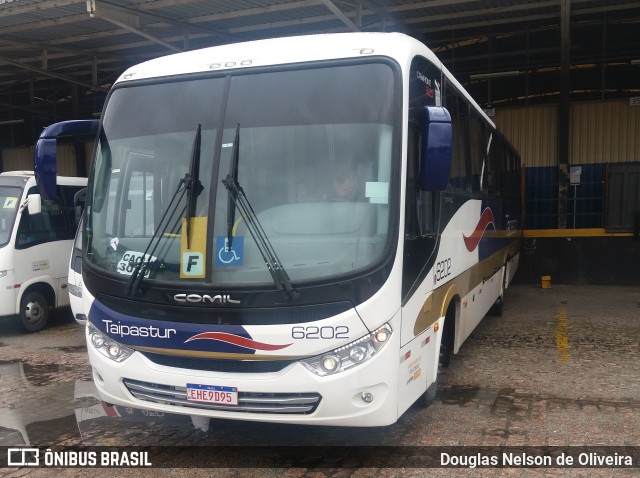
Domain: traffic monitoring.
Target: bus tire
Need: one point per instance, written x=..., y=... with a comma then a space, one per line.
x=427, y=398
x=444, y=357
x=34, y=311
x=446, y=342
x=498, y=306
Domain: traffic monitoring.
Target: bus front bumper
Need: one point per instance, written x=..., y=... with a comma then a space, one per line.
x=362, y=396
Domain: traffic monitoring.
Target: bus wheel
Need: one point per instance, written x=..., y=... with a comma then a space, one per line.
x=34, y=311
x=446, y=341
x=498, y=306
x=446, y=348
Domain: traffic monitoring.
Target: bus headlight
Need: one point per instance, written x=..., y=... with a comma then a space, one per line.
x=107, y=346
x=350, y=355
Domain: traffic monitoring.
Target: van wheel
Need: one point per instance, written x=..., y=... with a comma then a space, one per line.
x=34, y=311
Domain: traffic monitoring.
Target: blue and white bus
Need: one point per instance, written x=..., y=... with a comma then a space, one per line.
x=228, y=272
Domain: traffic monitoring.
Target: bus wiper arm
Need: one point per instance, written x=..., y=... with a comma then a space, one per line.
x=142, y=266
x=232, y=178
x=238, y=198
x=190, y=184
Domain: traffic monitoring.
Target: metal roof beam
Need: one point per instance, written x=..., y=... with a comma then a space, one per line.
x=124, y=20
x=38, y=7
x=50, y=74
x=343, y=18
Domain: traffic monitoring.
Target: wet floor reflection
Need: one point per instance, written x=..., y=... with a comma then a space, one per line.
x=32, y=403
x=562, y=334
x=41, y=405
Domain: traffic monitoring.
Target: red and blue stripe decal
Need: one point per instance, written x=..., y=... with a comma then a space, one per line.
x=486, y=220
x=136, y=332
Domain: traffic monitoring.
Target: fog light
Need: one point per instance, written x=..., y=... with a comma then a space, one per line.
x=330, y=363
x=367, y=397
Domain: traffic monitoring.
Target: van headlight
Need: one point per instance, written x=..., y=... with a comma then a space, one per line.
x=107, y=346
x=75, y=290
x=350, y=355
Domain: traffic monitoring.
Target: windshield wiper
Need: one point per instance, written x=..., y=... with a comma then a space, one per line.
x=232, y=178
x=192, y=182
x=189, y=184
x=238, y=198
x=141, y=267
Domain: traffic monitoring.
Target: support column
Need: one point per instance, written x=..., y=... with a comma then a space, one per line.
x=564, y=112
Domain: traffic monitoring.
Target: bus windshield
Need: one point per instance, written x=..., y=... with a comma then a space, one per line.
x=314, y=161
x=10, y=200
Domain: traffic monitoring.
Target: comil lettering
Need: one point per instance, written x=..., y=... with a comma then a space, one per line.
x=212, y=299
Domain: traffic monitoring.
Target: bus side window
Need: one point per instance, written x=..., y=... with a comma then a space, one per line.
x=49, y=225
x=478, y=153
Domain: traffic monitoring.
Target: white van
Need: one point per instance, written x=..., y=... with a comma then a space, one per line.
x=36, y=238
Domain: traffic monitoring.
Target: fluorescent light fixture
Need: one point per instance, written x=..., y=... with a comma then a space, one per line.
x=635, y=62
x=13, y=121
x=498, y=74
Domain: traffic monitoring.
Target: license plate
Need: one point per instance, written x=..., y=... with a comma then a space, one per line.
x=212, y=394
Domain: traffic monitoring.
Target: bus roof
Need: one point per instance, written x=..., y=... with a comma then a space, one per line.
x=292, y=50
x=279, y=51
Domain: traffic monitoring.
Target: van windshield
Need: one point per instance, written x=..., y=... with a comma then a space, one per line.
x=9, y=203
x=314, y=160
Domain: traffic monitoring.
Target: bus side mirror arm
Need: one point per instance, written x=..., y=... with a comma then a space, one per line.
x=44, y=154
x=435, y=157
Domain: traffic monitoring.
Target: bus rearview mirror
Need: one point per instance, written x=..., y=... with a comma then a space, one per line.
x=435, y=157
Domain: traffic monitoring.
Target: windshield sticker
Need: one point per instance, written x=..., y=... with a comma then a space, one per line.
x=229, y=256
x=10, y=203
x=193, y=247
x=377, y=192
x=130, y=259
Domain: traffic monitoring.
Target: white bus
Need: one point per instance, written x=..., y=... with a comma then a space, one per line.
x=35, y=244
x=292, y=230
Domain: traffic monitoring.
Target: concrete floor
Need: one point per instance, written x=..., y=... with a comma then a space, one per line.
x=559, y=368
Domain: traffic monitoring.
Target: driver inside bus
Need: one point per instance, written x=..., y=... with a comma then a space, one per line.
x=346, y=184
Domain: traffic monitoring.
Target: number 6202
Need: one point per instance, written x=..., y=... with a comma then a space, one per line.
x=312, y=332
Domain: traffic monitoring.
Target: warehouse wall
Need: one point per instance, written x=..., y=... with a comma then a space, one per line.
x=17, y=159
x=601, y=133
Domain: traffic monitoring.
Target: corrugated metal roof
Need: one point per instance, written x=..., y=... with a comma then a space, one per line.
x=55, y=49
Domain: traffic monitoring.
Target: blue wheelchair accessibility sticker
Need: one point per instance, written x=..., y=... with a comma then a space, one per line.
x=229, y=256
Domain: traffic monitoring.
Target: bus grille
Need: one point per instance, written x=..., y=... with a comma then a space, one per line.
x=216, y=365
x=248, y=402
